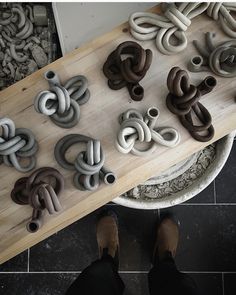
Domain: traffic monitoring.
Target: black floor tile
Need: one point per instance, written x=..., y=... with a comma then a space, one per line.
x=135, y=283
x=35, y=284
x=205, y=196
x=208, y=283
x=75, y=247
x=17, y=263
x=229, y=284
x=225, y=181
x=207, y=237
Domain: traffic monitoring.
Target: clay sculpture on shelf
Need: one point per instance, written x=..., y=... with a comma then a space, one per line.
x=88, y=164
x=41, y=190
x=174, y=21
x=221, y=58
x=136, y=128
x=62, y=103
x=183, y=100
x=17, y=144
x=128, y=71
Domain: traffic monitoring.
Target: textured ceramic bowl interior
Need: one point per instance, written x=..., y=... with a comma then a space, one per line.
x=223, y=148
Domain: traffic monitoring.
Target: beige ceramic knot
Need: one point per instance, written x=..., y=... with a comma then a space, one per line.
x=17, y=144
x=220, y=59
x=62, y=103
x=88, y=164
x=138, y=128
x=172, y=25
x=222, y=11
x=41, y=190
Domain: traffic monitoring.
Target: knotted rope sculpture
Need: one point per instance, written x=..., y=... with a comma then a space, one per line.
x=172, y=24
x=88, y=164
x=17, y=144
x=183, y=100
x=128, y=71
x=41, y=190
x=62, y=103
x=136, y=128
x=221, y=59
x=175, y=20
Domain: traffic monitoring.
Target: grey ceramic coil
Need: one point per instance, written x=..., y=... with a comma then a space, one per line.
x=175, y=20
x=89, y=164
x=62, y=103
x=220, y=59
x=136, y=128
x=17, y=144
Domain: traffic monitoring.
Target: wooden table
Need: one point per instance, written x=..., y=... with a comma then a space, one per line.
x=99, y=120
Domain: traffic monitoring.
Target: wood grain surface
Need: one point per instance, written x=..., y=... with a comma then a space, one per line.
x=99, y=120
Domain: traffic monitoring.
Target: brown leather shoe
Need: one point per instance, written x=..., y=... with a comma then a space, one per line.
x=167, y=239
x=107, y=235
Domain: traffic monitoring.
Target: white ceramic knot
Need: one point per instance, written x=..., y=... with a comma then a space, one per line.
x=172, y=25
x=221, y=11
x=62, y=103
x=136, y=128
x=16, y=144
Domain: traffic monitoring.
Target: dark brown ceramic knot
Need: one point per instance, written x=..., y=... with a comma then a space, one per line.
x=41, y=191
x=126, y=66
x=183, y=100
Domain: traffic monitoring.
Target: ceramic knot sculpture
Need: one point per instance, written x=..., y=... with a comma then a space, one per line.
x=183, y=100
x=220, y=59
x=172, y=24
x=89, y=163
x=128, y=71
x=136, y=128
x=41, y=190
x=62, y=103
x=17, y=144
x=222, y=11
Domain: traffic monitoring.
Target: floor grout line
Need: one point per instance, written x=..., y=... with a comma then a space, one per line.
x=121, y=271
x=207, y=204
x=28, y=260
x=223, y=284
x=214, y=189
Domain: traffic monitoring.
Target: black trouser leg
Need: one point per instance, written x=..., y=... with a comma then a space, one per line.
x=101, y=277
x=165, y=279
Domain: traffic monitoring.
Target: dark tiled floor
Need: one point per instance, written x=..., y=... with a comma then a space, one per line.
x=207, y=248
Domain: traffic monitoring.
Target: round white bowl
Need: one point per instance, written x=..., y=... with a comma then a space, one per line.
x=223, y=148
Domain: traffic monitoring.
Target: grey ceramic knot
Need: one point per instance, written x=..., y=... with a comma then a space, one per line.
x=222, y=11
x=136, y=128
x=17, y=144
x=220, y=59
x=62, y=103
x=172, y=25
x=89, y=163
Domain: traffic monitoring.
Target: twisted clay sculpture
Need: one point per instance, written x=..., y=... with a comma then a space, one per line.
x=17, y=144
x=41, y=190
x=62, y=103
x=129, y=71
x=138, y=128
x=175, y=20
x=183, y=100
x=88, y=164
x=221, y=59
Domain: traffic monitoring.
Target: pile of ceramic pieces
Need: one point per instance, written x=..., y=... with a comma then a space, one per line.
x=25, y=41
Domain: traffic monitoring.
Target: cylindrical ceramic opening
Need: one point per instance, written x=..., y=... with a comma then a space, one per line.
x=153, y=112
x=32, y=226
x=109, y=178
x=210, y=81
x=50, y=75
x=197, y=60
x=138, y=90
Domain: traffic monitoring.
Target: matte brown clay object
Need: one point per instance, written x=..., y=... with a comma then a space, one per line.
x=130, y=70
x=88, y=164
x=41, y=190
x=183, y=100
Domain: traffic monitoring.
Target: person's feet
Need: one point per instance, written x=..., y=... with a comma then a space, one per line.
x=107, y=234
x=167, y=239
